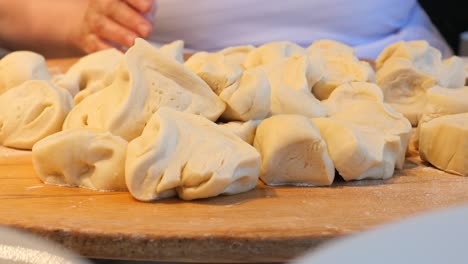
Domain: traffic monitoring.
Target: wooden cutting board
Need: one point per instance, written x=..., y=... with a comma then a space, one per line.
x=264, y=225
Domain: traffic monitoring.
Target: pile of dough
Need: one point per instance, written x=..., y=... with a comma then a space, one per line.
x=340, y=65
x=291, y=81
x=188, y=155
x=83, y=158
x=272, y=53
x=348, y=94
x=174, y=50
x=367, y=140
x=244, y=130
x=20, y=66
x=32, y=111
x=444, y=143
x=293, y=152
x=145, y=81
x=246, y=93
x=90, y=74
x=406, y=70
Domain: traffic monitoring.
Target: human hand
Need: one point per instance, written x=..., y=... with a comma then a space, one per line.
x=113, y=23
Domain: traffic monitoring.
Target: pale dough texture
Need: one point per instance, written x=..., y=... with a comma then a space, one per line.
x=145, y=81
x=348, y=94
x=293, y=152
x=272, y=53
x=32, y=111
x=20, y=66
x=188, y=155
x=444, y=143
x=82, y=158
x=244, y=130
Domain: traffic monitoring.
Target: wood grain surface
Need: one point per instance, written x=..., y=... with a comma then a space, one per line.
x=264, y=225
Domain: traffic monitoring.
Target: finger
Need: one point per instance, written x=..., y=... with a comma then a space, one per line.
x=110, y=30
x=131, y=19
x=93, y=43
x=142, y=6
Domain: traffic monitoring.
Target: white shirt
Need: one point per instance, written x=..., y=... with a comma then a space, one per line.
x=367, y=25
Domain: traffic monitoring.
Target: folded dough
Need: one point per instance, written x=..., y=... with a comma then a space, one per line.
x=246, y=93
x=174, y=50
x=20, y=66
x=347, y=94
x=238, y=54
x=293, y=152
x=244, y=130
x=406, y=70
x=32, y=111
x=145, y=81
x=89, y=72
x=291, y=81
x=272, y=53
x=444, y=143
x=206, y=162
x=340, y=65
x=83, y=158
x=359, y=152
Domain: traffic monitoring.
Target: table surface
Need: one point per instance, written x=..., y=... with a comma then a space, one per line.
x=264, y=225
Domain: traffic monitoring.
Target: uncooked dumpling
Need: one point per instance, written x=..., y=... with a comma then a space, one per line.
x=244, y=130
x=246, y=93
x=32, y=111
x=444, y=143
x=145, y=81
x=348, y=94
x=20, y=66
x=83, y=158
x=340, y=65
x=206, y=162
x=89, y=74
x=272, y=53
x=291, y=81
x=293, y=152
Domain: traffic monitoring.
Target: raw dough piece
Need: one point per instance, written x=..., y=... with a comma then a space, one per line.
x=442, y=101
x=174, y=50
x=20, y=66
x=291, y=81
x=206, y=162
x=244, y=130
x=340, y=65
x=359, y=152
x=246, y=93
x=145, y=81
x=238, y=54
x=272, y=53
x=406, y=70
x=32, y=111
x=444, y=143
x=348, y=94
x=388, y=122
x=83, y=158
x=90, y=71
x=293, y=152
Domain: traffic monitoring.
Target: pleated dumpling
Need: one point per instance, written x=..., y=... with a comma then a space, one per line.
x=188, y=155
x=32, y=111
x=145, y=81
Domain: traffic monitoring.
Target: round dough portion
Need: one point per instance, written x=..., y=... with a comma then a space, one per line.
x=82, y=158
x=444, y=143
x=32, y=111
x=293, y=152
x=20, y=66
x=348, y=94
